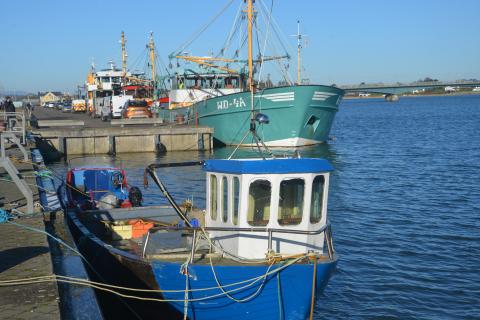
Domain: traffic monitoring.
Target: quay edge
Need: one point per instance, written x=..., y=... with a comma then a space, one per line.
x=112, y=140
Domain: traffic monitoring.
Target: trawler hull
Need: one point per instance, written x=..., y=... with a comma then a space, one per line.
x=299, y=115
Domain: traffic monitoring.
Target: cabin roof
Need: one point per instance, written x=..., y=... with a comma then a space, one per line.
x=268, y=166
x=94, y=167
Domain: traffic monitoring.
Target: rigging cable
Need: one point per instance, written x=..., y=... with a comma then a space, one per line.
x=201, y=30
x=233, y=31
x=265, y=43
x=283, y=70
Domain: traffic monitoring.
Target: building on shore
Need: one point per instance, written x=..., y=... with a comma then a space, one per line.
x=50, y=96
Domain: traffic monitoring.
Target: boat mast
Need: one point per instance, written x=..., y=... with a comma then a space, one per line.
x=299, y=48
x=253, y=129
x=151, y=46
x=124, y=57
x=250, y=66
x=250, y=46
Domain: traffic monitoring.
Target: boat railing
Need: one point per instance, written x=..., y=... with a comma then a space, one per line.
x=176, y=116
x=326, y=229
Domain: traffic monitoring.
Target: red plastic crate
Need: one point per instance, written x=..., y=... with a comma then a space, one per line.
x=140, y=227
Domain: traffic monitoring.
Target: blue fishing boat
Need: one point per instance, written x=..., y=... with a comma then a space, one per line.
x=261, y=249
x=95, y=186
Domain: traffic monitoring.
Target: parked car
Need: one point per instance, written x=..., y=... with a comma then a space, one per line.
x=51, y=105
x=112, y=107
x=66, y=107
x=136, y=109
x=58, y=105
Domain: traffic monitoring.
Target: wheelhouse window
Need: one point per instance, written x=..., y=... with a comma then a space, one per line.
x=224, y=199
x=236, y=199
x=213, y=197
x=259, y=203
x=290, y=207
x=316, y=205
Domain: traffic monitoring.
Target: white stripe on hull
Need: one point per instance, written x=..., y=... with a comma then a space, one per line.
x=290, y=142
x=284, y=96
x=281, y=99
x=322, y=96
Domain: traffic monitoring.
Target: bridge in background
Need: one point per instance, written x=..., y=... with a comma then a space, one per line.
x=391, y=92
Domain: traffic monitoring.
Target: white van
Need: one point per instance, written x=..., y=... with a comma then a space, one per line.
x=112, y=107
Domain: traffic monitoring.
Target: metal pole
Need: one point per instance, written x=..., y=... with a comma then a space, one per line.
x=194, y=239
x=270, y=240
x=146, y=243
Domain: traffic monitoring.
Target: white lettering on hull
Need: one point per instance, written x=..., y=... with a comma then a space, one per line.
x=233, y=103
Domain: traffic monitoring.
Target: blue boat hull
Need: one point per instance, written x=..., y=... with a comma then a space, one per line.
x=284, y=295
x=109, y=265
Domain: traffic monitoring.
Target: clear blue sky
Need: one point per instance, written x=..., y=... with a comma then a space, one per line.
x=49, y=45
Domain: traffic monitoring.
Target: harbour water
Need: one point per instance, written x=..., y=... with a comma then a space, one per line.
x=404, y=205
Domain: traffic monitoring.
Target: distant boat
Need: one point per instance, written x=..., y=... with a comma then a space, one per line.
x=98, y=186
x=109, y=90
x=221, y=97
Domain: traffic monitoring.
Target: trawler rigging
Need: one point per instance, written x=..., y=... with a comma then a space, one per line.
x=222, y=92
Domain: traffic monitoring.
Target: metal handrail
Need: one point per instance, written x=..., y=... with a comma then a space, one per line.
x=4, y=136
x=12, y=171
x=325, y=228
x=14, y=117
x=252, y=229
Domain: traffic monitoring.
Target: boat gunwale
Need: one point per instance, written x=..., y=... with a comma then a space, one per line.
x=73, y=214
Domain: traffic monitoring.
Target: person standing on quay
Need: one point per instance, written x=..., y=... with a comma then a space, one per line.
x=9, y=107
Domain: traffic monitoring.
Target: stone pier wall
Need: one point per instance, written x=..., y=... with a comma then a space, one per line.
x=70, y=141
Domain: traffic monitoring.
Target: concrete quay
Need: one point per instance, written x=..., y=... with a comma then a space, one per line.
x=93, y=136
x=24, y=254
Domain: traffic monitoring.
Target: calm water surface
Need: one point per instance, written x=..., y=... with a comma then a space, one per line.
x=404, y=205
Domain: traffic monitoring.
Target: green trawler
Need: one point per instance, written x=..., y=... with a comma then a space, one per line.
x=228, y=100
